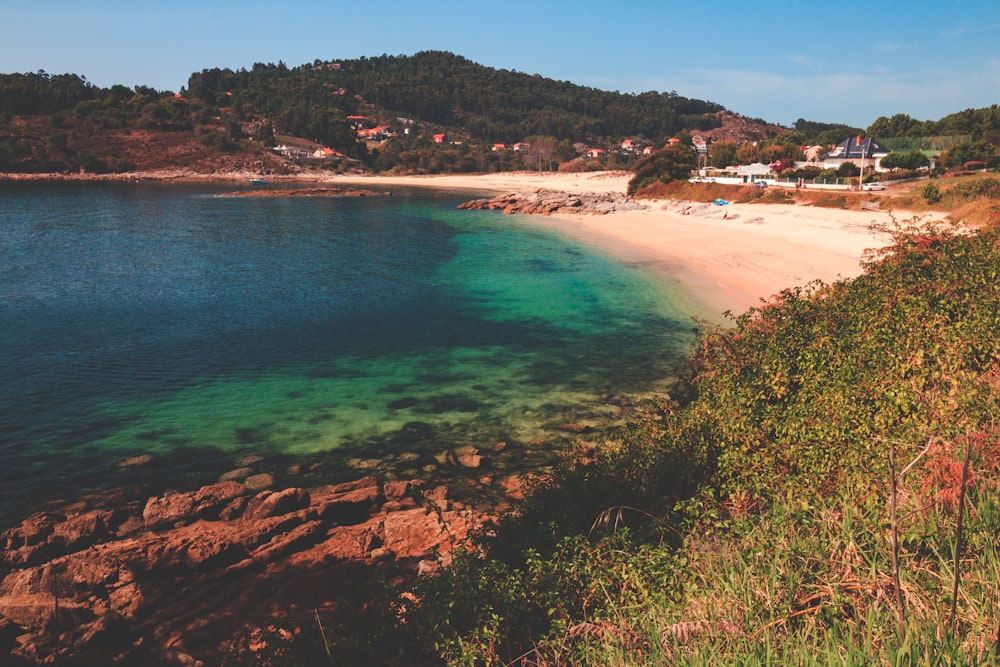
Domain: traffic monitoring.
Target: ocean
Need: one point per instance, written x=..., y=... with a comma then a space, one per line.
x=157, y=336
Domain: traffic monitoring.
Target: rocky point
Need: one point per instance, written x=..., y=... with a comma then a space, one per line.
x=169, y=579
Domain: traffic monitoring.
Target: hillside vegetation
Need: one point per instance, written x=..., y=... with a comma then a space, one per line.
x=449, y=91
x=431, y=112
x=64, y=123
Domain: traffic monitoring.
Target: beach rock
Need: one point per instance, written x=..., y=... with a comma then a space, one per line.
x=206, y=502
x=396, y=490
x=136, y=461
x=551, y=202
x=578, y=428
x=78, y=532
x=207, y=564
x=275, y=503
x=26, y=542
x=47, y=535
x=414, y=531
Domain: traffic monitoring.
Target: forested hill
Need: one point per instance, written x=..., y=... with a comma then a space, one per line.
x=224, y=119
x=384, y=113
x=450, y=91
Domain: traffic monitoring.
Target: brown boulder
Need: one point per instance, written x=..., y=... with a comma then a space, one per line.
x=206, y=502
x=412, y=533
x=275, y=503
x=199, y=565
x=349, y=503
x=396, y=489
x=79, y=532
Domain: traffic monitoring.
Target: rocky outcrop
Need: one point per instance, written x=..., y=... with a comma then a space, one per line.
x=168, y=580
x=551, y=202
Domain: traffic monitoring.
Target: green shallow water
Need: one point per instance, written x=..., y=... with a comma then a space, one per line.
x=321, y=337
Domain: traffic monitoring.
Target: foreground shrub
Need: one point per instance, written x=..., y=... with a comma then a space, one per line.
x=804, y=392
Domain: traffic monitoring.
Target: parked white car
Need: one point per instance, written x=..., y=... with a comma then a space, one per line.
x=701, y=179
x=872, y=186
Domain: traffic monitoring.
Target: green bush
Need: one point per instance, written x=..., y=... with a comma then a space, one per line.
x=931, y=193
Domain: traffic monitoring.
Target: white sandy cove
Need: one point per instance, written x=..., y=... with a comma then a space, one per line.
x=726, y=264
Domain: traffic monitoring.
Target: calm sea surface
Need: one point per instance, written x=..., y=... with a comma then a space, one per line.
x=308, y=338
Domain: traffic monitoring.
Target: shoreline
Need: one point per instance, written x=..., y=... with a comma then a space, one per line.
x=728, y=258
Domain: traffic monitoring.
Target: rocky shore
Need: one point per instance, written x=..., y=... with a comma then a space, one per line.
x=557, y=202
x=170, y=580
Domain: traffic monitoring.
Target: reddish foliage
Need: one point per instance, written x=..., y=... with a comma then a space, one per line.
x=944, y=467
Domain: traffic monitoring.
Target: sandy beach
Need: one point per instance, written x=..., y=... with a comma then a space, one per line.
x=727, y=257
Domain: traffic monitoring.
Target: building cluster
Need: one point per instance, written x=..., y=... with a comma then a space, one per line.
x=301, y=154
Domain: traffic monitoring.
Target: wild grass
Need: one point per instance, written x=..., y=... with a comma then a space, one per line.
x=804, y=586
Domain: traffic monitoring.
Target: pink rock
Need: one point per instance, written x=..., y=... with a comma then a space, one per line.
x=276, y=503
x=206, y=502
x=413, y=533
x=396, y=490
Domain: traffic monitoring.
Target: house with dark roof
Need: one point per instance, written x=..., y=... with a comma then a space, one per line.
x=862, y=151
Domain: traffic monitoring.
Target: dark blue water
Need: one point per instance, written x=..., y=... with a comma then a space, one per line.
x=318, y=337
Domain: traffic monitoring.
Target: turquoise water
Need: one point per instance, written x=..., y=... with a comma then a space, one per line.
x=308, y=338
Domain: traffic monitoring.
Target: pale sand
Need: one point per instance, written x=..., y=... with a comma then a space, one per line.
x=726, y=264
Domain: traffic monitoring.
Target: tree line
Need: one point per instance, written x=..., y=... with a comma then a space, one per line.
x=448, y=91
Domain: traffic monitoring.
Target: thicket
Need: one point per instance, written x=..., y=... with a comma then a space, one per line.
x=980, y=123
x=64, y=121
x=663, y=166
x=823, y=491
x=826, y=134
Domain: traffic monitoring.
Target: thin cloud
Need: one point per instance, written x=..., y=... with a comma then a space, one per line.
x=965, y=30
x=891, y=47
x=799, y=59
x=856, y=98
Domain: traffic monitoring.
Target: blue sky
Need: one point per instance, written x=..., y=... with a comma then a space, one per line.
x=780, y=60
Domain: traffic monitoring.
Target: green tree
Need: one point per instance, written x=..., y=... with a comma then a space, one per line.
x=931, y=193
x=912, y=160
x=565, y=152
x=978, y=150
x=665, y=165
x=541, y=152
x=900, y=125
x=848, y=169
x=834, y=136
x=722, y=153
x=265, y=133
x=748, y=153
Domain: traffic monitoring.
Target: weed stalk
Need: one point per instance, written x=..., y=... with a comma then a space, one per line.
x=952, y=624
